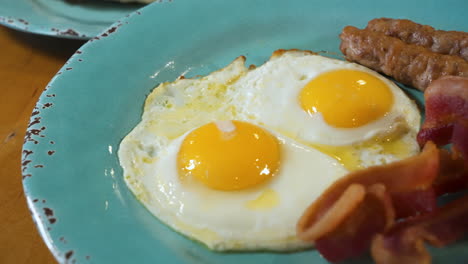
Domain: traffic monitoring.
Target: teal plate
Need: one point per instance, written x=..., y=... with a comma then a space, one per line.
x=72, y=178
x=61, y=18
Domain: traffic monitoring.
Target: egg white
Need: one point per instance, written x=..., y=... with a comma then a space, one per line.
x=263, y=217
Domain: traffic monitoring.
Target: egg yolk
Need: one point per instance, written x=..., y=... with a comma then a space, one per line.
x=229, y=155
x=346, y=98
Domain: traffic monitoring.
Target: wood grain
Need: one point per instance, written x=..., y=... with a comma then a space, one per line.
x=27, y=63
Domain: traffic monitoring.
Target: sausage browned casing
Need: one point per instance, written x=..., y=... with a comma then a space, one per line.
x=409, y=64
x=440, y=41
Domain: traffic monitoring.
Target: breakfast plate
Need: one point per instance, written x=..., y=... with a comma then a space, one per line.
x=71, y=173
x=62, y=18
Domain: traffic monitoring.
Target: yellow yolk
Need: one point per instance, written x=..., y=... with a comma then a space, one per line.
x=346, y=98
x=229, y=155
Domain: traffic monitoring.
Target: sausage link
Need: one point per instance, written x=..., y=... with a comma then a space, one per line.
x=409, y=64
x=440, y=41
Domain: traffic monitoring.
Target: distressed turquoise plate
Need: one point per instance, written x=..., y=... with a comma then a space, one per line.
x=81, y=19
x=72, y=178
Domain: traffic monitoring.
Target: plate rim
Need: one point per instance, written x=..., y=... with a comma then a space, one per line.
x=39, y=222
x=58, y=30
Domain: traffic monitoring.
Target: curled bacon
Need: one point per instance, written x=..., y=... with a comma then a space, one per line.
x=404, y=242
x=447, y=114
x=344, y=208
x=415, y=202
x=356, y=208
x=356, y=231
x=446, y=122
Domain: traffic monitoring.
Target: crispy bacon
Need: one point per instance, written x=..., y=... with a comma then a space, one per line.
x=447, y=114
x=356, y=231
x=342, y=213
x=404, y=242
x=460, y=134
x=415, y=202
x=453, y=175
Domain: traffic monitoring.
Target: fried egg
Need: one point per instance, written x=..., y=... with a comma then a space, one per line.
x=236, y=194
x=233, y=158
x=346, y=110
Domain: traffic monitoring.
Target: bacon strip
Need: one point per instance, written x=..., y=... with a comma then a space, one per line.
x=343, y=208
x=453, y=175
x=408, y=204
x=409, y=64
x=404, y=242
x=440, y=41
x=447, y=114
x=364, y=210
x=356, y=231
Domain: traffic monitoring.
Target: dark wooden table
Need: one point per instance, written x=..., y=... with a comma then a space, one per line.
x=27, y=63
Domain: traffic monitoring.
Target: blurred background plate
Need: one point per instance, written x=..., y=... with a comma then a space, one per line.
x=72, y=177
x=79, y=19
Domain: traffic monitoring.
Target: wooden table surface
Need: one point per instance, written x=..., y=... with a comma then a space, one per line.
x=27, y=63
